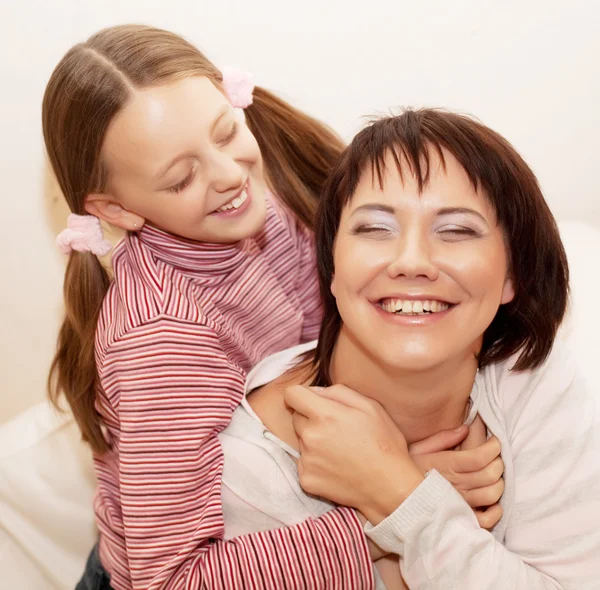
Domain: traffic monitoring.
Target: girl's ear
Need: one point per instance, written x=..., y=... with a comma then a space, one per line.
x=105, y=207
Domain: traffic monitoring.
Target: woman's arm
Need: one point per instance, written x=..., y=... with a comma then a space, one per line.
x=170, y=389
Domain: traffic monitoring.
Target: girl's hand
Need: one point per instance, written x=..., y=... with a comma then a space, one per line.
x=475, y=468
x=352, y=453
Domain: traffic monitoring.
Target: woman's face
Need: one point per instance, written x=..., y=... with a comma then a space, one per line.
x=419, y=277
x=178, y=157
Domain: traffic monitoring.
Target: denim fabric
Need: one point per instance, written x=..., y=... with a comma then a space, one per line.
x=95, y=576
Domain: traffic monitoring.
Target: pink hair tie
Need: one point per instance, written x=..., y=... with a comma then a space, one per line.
x=238, y=87
x=83, y=234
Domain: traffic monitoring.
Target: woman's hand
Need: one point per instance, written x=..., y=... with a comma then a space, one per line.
x=352, y=453
x=471, y=463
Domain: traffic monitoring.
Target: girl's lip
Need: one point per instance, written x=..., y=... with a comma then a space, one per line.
x=241, y=209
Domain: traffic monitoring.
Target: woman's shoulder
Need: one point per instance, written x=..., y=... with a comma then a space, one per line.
x=557, y=383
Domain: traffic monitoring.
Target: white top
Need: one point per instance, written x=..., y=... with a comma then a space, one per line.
x=549, y=536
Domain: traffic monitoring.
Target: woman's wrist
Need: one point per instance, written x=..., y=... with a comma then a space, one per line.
x=389, y=494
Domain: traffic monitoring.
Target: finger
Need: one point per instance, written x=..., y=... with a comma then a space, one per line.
x=489, y=518
x=305, y=401
x=487, y=496
x=300, y=424
x=347, y=397
x=477, y=459
x=477, y=435
x=441, y=441
x=487, y=476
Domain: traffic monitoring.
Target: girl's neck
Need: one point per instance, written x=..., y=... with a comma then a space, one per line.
x=421, y=403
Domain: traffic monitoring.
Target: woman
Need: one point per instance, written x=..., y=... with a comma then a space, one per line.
x=444, y=282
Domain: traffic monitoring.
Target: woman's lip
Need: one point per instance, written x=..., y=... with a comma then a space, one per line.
x=406, y=297
x=412, y=320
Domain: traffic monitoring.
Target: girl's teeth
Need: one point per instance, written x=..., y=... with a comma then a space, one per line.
x=235, y=203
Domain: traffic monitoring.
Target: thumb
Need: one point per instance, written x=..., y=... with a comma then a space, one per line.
x=477, y=435
x=441, y=441
x=345, y=396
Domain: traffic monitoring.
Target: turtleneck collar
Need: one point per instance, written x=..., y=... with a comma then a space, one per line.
x=200, y=258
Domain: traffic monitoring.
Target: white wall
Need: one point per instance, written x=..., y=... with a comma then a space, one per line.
x=529, y=68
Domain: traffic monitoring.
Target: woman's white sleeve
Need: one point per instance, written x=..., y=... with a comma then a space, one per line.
x=552, y=538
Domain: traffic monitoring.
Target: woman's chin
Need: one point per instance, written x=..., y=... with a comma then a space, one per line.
x=411, y=361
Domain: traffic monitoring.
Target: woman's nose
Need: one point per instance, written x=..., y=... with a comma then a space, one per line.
x=413, y=258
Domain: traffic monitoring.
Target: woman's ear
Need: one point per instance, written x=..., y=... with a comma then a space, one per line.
x=105, y=207
x=332, y=285
x=508, y=292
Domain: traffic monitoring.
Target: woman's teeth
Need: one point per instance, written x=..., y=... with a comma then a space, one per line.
x=400, y=306
x=234, y=203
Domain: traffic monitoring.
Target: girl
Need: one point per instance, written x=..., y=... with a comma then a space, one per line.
x=212, y=276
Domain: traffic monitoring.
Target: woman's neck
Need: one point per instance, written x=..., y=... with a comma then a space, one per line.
x=421, y=402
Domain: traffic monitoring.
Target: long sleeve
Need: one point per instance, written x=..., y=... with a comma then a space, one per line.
x=307, y=285
x=552, y=538
x=290, y=250
x=169, y=389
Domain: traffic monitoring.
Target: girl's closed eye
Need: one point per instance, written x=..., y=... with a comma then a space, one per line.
x=232, y=133
x=180, y=186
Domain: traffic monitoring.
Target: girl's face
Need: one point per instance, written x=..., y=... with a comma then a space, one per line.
x=419, y=277
x=178, y=157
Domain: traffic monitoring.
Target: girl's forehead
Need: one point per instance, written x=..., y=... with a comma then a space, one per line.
x=161, y=119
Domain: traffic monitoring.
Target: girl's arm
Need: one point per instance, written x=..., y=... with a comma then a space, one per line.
x=307, y=285
x=172, y=389
x=284, y=231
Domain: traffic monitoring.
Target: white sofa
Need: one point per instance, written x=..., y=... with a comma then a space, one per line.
x=46, y=478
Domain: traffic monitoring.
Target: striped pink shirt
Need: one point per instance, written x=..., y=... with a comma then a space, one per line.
x=180, y=327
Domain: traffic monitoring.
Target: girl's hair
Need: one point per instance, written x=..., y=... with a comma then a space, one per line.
x=537, y=259
x=89, y=86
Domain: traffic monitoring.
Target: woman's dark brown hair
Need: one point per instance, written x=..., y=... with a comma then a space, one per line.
x=537, y=260
x=89, y=86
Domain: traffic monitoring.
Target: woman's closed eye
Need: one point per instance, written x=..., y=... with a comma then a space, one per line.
x=455, y=232
x=373, y=230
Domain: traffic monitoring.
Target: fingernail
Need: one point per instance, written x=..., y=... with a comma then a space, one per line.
x=460, y=428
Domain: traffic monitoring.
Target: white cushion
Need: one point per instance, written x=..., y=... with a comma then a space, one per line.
x=46, y=488
x=582, y=326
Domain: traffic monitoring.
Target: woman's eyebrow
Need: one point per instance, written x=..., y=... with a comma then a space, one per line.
x=460, y=210
x=375, y=207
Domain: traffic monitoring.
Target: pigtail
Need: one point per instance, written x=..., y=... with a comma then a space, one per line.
x=298, y=152
x=73, y=370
